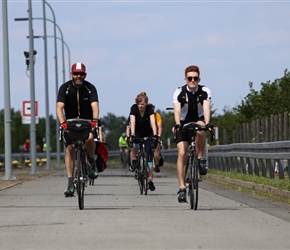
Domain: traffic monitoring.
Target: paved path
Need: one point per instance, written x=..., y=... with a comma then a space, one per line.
x=35, y=215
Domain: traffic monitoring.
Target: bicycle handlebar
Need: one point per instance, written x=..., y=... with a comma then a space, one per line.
x=92, y=123
x=197, y=127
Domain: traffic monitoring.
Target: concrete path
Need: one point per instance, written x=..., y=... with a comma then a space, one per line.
x=36, y=215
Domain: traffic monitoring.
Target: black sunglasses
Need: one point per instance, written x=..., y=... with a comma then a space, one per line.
x=78, y=73
x=195, y=78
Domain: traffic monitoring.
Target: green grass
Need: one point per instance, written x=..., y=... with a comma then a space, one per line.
x=277, y=183
x=283, y=184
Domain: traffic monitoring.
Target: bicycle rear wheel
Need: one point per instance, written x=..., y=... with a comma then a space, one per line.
x=124, y=159
x=80, y=180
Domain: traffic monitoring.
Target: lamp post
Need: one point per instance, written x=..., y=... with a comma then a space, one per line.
x=7, y=113
x=32, y=89
x=56, y=70
x=47, y=120
x=56, y=86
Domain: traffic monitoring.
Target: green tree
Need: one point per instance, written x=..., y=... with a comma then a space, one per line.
x=272, y=99
x=113, y=127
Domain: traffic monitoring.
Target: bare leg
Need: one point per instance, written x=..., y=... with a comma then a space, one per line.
x=90, y=146
x=181, y=161
x=69, y=160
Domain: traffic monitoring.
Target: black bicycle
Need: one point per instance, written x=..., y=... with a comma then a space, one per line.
x=124, y=159
x=78, y=132
x=192, y=177
x=142, y=169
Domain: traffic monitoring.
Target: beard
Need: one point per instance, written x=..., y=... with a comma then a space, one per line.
x=78, y=83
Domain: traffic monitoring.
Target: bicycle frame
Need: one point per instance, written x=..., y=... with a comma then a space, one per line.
x=193, y=177
x=192, y=173
x=142, y=166
x=80, y=171
x=79, y=130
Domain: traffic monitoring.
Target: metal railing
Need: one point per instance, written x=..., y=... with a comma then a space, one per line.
x=262, y=159
x=265, y=159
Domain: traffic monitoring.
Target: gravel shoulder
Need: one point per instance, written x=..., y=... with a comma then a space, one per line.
x=21, y=174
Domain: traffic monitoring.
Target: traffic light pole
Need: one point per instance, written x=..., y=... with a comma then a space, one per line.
x=32, y=94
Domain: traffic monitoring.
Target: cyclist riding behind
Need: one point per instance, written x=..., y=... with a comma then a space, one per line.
x=157, y=154
x=123, y=146
x=77, y=98
x=142, y=124
x=191, y=104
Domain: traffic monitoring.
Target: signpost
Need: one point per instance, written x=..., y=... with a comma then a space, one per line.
x=26, y=112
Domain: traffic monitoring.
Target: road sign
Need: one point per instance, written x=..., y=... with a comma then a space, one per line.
x=26, y=108
x=26, y=112
x=27, y=120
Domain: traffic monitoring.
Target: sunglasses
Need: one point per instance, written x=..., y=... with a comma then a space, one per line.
x=78, y=73
x=190, y=78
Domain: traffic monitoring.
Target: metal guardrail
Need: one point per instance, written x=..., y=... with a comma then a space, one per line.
x=266, y=159
x=170, y=155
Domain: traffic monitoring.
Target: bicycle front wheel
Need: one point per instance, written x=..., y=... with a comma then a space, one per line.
x=80, y=180
x=194, y=183
x=144, y=169
x=140, y=173
x=189, y=180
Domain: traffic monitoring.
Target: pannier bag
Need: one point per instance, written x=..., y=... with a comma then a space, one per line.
x=102, y=156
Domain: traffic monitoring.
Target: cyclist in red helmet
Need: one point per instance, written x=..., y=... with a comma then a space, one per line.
x=77, y=98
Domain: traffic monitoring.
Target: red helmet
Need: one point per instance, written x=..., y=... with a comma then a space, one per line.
x=78, y=67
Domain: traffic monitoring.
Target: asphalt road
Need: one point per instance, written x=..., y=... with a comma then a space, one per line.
x=36, y=215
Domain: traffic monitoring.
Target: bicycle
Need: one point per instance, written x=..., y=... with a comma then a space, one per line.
x=78, y=132
x=142, y=169
x=192, y=177
x=124, y=157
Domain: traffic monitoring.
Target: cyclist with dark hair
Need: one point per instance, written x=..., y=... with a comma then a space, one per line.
x=191, y=104
x=142, y=124
x=77, y=98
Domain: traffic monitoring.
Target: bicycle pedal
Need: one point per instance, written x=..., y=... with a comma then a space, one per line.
x=69, y=196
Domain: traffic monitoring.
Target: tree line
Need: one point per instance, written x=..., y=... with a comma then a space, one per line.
x=273, y=98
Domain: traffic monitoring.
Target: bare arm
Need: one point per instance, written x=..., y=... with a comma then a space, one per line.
x=153, y=124
x=59, y=112
x=206, y=110
x=100, y=134
x=177, y=108
x=133, y=123
x=159, y=128
x=95, y=108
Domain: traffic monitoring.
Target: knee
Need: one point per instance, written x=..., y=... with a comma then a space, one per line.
x=69, y=151
x=181, y=153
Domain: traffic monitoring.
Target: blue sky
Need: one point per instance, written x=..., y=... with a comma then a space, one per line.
x=134, y=46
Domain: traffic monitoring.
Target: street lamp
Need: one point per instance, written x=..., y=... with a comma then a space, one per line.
x=67, y=48
x=56, y=84
x=59, y=29
x=7, y=113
